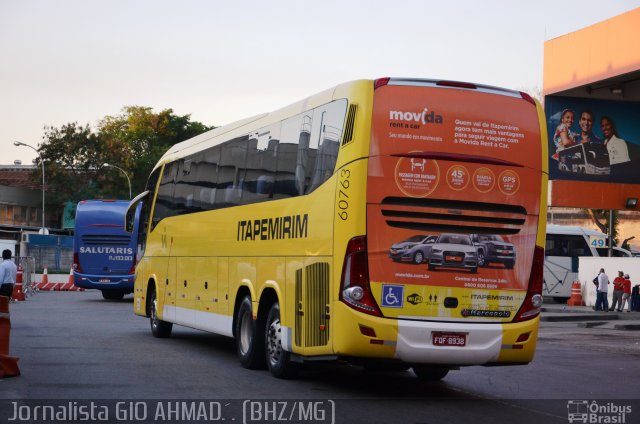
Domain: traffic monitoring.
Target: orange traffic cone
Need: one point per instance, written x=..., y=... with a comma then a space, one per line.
x=576, y=294
x=69, y=284
x=18, y=293
x=8, y=364
x=45, y=277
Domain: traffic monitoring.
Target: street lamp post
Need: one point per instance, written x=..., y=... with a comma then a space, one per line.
x=43, y=230
x=124, y=172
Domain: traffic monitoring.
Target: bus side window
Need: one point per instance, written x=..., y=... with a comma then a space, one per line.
x=328, y=121
x=206, y=177
x=233, y=159
x=290, y=162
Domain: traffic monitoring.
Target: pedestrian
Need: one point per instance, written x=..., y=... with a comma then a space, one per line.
x=8, y=272
x=618, y=291
x=635, y=298
x=602, y=303
x=626, y=295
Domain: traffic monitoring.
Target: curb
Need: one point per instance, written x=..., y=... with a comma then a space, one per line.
x=574, y=317
x=627, y=327
x=591, y=324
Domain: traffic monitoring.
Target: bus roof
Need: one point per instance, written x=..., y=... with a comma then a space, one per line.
x=572, y=229
x=242, y=127
x=109, y=212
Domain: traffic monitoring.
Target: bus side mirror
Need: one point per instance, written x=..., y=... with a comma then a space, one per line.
x=130, y=216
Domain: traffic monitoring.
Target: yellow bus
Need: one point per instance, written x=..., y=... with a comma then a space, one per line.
x=392, y=222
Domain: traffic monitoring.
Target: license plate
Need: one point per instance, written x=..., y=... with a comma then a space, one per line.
x=448, y=339
x=104, y=280
x=453, y=258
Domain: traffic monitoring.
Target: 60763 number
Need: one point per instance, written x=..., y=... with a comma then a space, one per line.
x=343, y=194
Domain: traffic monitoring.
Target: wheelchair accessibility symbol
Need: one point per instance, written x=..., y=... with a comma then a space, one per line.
x=392, y=296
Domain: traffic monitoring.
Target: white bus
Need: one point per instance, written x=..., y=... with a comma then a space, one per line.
x=563, y=246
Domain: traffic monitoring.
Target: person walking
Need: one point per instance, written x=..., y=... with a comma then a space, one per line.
x=626, y=293
x=8, y=273
x=635, y=298
x=618, y=291
x=602, y=303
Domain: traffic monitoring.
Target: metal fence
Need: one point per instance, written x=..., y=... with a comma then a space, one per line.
x=53, y=252
x=28, y=265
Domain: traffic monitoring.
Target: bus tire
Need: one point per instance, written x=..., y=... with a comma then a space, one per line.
x=430, y=372
x=250, y=349
x=160, y=329
x=278, y=359
x=112, y=294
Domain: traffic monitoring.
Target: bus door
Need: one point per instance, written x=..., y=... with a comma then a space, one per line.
x=223, y=287
x=170, y=287
x=206, y=288
x=160, y=257
x=187, y=284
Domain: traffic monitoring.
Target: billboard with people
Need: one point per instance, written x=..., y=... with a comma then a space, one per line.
x=593, y=140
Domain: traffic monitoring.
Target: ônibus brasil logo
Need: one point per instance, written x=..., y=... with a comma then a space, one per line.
x=424, y=117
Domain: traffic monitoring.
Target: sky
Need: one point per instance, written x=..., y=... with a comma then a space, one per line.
x=65, y=61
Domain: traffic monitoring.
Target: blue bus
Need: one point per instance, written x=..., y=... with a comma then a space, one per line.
x=104, y=254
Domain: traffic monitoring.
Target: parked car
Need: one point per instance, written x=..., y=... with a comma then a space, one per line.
x=414, y=249
x=493, y=249
x=453, y=251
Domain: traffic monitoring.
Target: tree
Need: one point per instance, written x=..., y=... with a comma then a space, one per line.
x=72, y=155
x=134, y=140
x=601, y=218
x=140, y=137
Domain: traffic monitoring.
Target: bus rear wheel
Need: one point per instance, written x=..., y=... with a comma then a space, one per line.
x=250, y=348
x=160, y=329
x=430, y=372
x=278, y=359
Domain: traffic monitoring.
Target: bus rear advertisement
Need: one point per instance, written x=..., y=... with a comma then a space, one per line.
x=395, y=221
x=104, y=254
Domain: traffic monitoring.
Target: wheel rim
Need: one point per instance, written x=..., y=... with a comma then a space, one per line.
x=246, y=334
x=418, y=258
x=154, y=315
x=480, y=259
x=274, y=344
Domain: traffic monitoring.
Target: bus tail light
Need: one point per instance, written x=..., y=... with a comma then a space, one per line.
x=533, y=301
x=457, y=84
x=355, y=290
x=381, y=82
x=527, y=97
x=76, y=263
x=133, y=268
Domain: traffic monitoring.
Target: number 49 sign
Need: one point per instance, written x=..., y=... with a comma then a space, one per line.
x=598, y=241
